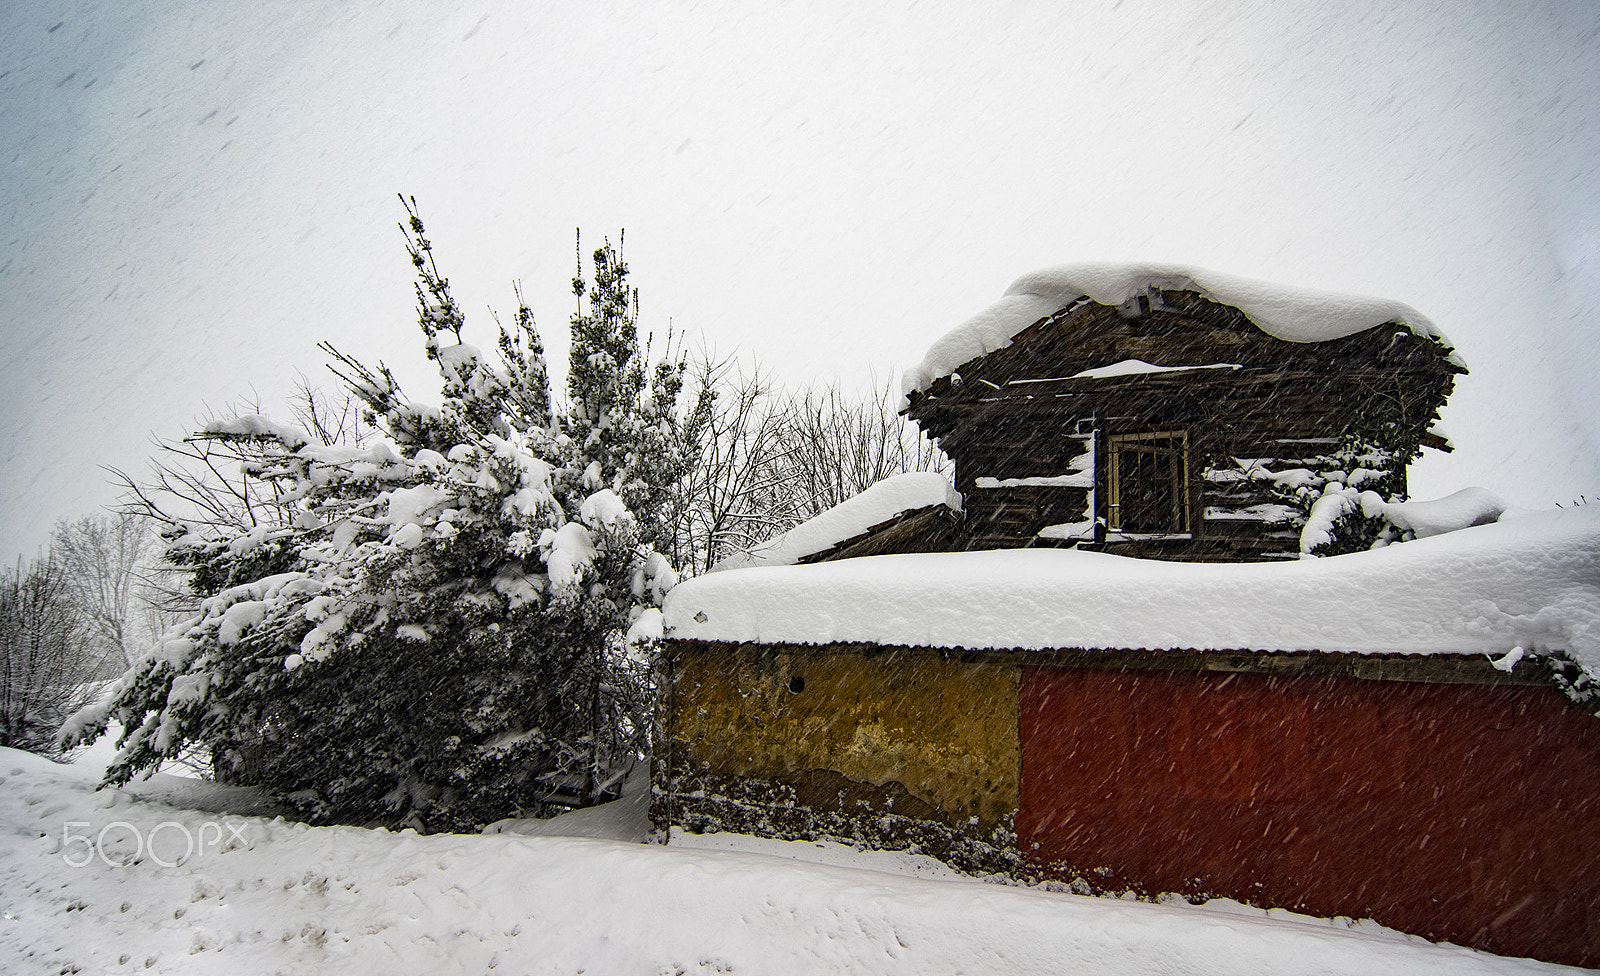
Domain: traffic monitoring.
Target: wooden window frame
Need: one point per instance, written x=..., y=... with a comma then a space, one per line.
x=1182, y=516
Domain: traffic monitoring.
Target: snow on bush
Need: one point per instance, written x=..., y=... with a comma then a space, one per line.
x=1419, y=520
x=424, y=629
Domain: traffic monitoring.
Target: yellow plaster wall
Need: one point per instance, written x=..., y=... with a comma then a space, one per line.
x=945, y=730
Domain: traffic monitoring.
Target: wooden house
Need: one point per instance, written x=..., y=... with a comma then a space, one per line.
x=1378, y=735
x=1163, y=421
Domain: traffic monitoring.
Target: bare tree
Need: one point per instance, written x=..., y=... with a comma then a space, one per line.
x=202, y=483
x=204, y=487
x=769, y=460
x=331, y=418
x=108, y=565
x=837, y=445
x=728, y=501
x=47, y=667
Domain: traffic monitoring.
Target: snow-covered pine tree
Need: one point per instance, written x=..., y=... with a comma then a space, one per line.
x=426, y=631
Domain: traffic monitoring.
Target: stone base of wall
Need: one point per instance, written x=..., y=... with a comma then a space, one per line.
x=823, y=805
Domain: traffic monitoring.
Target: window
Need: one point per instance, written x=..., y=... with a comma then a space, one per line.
x=1148, y=479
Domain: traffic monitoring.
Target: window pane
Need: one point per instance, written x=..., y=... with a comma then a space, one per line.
x=1148, y=484
x=1147, y=491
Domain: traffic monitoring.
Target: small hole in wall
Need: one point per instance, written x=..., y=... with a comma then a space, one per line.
x=797, y=684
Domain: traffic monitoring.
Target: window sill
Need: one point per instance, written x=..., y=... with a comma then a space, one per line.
x=1115, y=536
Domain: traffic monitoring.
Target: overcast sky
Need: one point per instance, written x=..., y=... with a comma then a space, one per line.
x=196, y=194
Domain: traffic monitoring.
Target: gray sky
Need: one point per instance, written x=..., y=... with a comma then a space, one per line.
x=195, y=194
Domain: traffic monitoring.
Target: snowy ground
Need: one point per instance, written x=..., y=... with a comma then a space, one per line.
x=166, y=883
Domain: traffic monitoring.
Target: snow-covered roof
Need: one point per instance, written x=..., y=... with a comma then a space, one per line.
x=1531, y=582
x=1292, y=314
x=850, y=518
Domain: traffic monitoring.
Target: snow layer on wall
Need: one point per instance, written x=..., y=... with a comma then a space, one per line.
x=1138, y=367
x=1292, y=314
x=1531, y=582
x=879, y=503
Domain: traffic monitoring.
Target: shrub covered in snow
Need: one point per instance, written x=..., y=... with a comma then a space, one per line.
x=424, y=630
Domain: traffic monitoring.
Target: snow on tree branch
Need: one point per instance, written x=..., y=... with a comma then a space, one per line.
x=424, y=627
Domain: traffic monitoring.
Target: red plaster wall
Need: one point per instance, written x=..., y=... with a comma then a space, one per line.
x=1463, y=813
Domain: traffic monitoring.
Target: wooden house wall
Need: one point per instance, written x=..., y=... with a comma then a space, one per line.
x=1005, y=518
x=1012, y=414
x=1462, y=813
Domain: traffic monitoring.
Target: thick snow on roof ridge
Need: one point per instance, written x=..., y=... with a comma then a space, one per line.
x=1531, y=582
x=883, y=501
x=1286, y=312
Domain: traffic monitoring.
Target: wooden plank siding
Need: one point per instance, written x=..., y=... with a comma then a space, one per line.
x=1013, y=414
x=996, y=517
